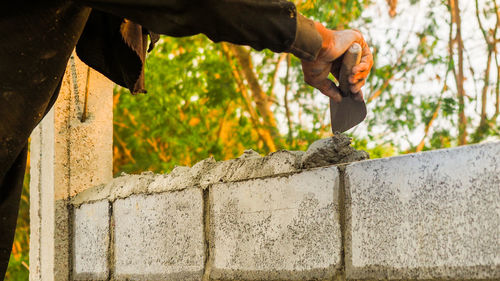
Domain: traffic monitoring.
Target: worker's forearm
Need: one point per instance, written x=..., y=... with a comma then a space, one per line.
x=275, y=25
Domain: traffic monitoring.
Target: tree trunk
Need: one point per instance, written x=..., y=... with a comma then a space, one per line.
x=459, y=73
x=263, y=132
x=261, y=99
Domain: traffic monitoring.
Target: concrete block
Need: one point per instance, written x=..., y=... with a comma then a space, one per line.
x=281, y=228
x=91, y=241
x=252, y=166
x=432, y=215
x=120, y=187
x=160, y=236
x=126, y=185
x=181, y=177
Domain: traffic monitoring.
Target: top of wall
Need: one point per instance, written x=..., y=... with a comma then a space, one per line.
x=249, y=165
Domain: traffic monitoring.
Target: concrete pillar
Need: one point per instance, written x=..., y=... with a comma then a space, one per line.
x=71, y=150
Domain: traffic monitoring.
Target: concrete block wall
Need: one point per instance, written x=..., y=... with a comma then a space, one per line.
x=432, y=215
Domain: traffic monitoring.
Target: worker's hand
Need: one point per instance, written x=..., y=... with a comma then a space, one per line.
x=335, y=44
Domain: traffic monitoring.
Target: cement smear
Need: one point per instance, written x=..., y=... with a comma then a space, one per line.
x=331, y=151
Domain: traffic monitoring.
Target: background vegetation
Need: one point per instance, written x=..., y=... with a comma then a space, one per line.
x=435, y=84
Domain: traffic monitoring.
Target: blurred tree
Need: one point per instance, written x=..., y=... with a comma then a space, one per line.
x=428, y=79
x=207, y=99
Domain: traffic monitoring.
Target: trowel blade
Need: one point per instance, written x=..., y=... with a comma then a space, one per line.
x=346, y=114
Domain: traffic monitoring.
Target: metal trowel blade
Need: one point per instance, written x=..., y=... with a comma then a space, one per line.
x=346, y=114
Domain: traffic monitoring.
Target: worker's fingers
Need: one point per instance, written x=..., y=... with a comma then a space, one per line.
x=316, y=75
x=356, y=88
x=362, y=70
x=362, y=66
x=328, y=88
x=354, y=78
x=366, y=55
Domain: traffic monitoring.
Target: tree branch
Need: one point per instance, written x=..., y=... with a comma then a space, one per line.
x=260, y=98
x=275, y=74
x=263, y=134
x=459, y=77
x=287, y=108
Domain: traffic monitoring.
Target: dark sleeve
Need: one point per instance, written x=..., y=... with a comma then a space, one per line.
x=260, y=24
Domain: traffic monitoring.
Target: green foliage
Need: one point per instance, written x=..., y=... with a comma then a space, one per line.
x=379, y=151
x=194, y=107
x=19, y=258
x=188, y=113
x=412, y=92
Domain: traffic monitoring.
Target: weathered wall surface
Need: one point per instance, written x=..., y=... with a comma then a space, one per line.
x=68, y=155
x=427, y=215
x=432, y=215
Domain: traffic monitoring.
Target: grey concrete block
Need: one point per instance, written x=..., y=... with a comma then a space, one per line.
x=91, y=241
x=425, y=216
x=120, y=187
x=126, y=185
x=159, y=236
x=279, y=162
x=281, y=228
x=181, y=177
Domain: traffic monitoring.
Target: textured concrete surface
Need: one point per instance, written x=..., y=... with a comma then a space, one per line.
x=280, y=228
x=83, y=150
x=249, y=165
x=253, y=166
x=330, y=151
x=425, y=216
x=126, y=185
x=120, y=187
x=42, y=195
x=91, y=241
x=67, y=156
x=159, y=236
x=181, y=177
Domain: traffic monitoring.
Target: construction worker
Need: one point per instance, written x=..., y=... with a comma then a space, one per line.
x=38, y=37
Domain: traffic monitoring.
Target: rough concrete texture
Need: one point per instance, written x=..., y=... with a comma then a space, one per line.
x=181, y=177
x=68, y=155
x=83, y=149
x=42, y=144
x=279, y=162
x=280, y=228
x=249, y=165
x=62, y=241
x=120, y=187
x=330, y=151
x=91, y=241
x=425, y=216
x=159, y=236
x=126, y=185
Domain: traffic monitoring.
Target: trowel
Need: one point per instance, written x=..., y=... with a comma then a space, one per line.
x=349, y=112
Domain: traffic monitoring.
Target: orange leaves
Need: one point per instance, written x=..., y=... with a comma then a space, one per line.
x=194, y=121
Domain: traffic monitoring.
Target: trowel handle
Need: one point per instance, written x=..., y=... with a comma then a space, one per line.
x=352, y=57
